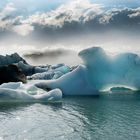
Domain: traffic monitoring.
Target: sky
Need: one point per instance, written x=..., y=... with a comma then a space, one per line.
x=32, y=27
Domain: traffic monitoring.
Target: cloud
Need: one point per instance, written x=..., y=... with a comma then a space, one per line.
x=13, y=24
x=71, y=16
x=23, y=29
x=7, y=11
x=11, y=48
x=5, y=21
x=122, y=17
x=74, y=11
x=135, y=13
x=85, y=14
x=78, y=11
x=108, y=16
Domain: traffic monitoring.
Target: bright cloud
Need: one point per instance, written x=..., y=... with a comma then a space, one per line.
x=23, y=29
x=135, y=13
x=7, y=11
x=74, y=11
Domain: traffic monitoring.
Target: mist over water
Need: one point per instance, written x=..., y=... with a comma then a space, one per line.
x=64, y=49
x=113, y=43
x=53, y=56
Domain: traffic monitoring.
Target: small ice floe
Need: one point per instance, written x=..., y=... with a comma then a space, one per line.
x=18, y=92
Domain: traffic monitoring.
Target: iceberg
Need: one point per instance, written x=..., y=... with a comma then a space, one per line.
x=97, y=72
x=53, y=73
x=63, y=69
x=41, y=76
x=10, y=59
x=57, y=74
x=57, y=65
x=29, y=69
x=18, y=92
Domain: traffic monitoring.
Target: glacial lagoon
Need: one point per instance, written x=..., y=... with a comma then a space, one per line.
x=107, y=117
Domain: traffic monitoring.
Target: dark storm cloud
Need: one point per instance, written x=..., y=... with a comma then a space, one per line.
x=118, y=17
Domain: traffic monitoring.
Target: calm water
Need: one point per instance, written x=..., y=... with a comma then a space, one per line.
x=108, y=117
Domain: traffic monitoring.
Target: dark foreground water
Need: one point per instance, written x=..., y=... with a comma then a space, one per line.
x=108, y=117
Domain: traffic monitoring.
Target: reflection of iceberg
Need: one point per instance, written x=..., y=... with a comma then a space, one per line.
x=97, y=72
x=27, y=93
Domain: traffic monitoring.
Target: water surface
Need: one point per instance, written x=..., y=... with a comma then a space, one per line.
x=108, y=117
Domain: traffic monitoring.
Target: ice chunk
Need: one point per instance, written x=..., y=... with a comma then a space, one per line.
x=51, y=74
x=57, y=74
x=7, y=95
x=27, y=69
x=51, y=96
x=27, y=93
x=44, y=76
x=63, y=69
x=11, y=85
x=57, y=66
x=10, y=59
x=30, y=70
x=40, y=70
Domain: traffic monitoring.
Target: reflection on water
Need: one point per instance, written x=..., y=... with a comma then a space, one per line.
x=114, y=117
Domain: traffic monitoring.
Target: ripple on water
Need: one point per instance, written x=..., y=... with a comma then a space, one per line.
x=107, y=117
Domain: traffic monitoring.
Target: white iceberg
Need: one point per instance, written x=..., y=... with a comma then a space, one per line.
x=27, y=93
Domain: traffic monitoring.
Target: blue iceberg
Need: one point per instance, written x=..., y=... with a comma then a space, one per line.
x=53, y=72
x=97, y=72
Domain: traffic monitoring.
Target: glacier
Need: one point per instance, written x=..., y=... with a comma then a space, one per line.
x=98, y=71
